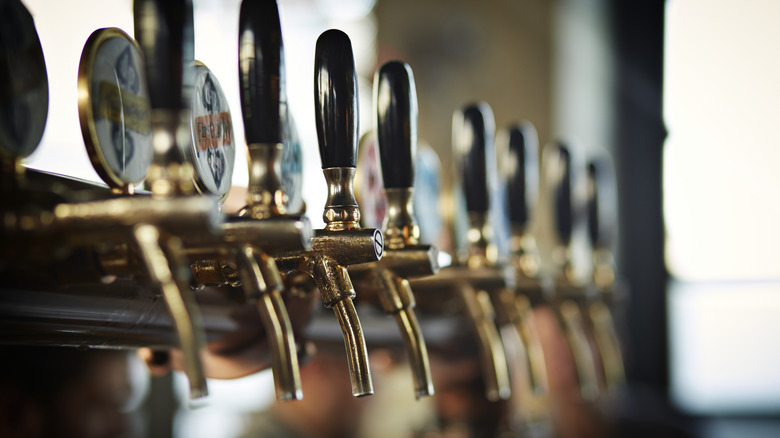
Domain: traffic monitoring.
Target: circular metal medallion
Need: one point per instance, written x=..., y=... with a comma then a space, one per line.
x=213, y=148
x=24, y=85
x=427, y=189
x=369, y=185
x=114, y=108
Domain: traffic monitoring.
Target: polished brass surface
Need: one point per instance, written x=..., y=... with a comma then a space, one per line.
x=327, y=260
x=574, y=326
x=600, y=313
x=182, y=215
x=492, y=353
x=481, y=252
x=170, y=174
x=341, y=209
x=397, y=299
x=263, y=284
x=386, y=281
x=164, y=269
x=608, y=344
x=400, y=228
x=265, y=196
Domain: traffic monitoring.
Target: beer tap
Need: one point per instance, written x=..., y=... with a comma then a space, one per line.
x=342, y=242
x=404, y=255
x=518, y=166
x=476, y=276
x=239, y=255
x=568, y=294
x=602, y=216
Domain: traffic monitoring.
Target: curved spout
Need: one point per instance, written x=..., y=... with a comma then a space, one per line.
x=337, y=292
x=397, y=299
x=185, y=313
x=262, y=283
x=571, y=316
x=493, y=356
x=608, y=343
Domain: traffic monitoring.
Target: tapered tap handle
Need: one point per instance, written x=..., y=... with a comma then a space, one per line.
x=261, y=71
x=335, y=99
x=164, y=31
x=396, y=116
x=520, y=165
x=602, y=202
x=472, y=131
x=558, y=169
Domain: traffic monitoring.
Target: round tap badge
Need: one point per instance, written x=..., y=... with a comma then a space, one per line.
x=114, y=108
x=427, y=187
x=24, y=86
x=369, y=185
x=212, y=150
x=292, y=167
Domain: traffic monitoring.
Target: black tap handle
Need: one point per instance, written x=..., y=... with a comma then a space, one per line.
x=261, y=71
x=522, y=172
x=472, y=130
x=164, y=31
x=558, y=167
x=335, y=99
x=396, y=116
x=602, y=203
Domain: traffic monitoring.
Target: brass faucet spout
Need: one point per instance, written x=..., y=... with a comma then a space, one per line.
x=396, y=297
x=492, y=354
x=263, y=283
x=166, y=271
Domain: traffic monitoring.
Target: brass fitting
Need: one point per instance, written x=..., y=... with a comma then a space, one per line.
x=266, y=198
x=341, y=209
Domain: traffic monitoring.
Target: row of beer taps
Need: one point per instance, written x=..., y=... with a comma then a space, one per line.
x=84, y=265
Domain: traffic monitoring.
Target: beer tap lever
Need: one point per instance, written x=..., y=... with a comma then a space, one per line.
x=264, y=106
x=164, y=30
x=472, y=131
x=396, y=100
x=520, y=169
x=602, y=215
x=560, y=180
x=342, y=242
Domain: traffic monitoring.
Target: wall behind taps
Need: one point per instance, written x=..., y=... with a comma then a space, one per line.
x=547, y=62
x=462, y=51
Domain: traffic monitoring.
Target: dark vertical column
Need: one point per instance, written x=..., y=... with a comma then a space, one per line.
x=640, y=134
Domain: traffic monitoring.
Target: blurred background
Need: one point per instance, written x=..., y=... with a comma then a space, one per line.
x=683, y=94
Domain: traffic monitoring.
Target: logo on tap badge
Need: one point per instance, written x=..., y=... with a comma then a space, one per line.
x=213, y=150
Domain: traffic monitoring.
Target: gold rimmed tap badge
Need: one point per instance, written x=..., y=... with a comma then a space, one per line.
x=114, y=109
x=212, y=148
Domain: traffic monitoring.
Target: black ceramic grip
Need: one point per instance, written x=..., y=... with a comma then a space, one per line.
x=396, y=100
x=472, y=131
x=164, y=31
x=335, y=99
x=261, y=71
x=601, y=202
x=522, y=172
x=562, y=190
